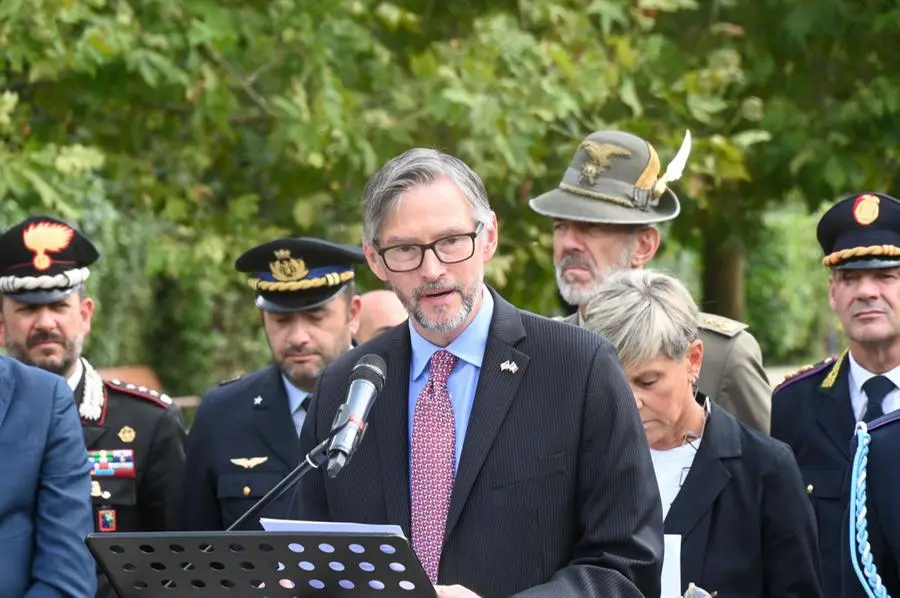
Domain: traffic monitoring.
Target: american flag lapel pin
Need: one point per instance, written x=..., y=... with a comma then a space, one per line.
x=509, y=366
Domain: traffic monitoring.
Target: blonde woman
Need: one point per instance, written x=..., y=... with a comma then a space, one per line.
x=734, y=495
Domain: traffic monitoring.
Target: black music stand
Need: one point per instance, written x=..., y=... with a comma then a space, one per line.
x=256, y=564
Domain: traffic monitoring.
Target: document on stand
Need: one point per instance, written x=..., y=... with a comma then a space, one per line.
x=671, y=569
x=328, y=527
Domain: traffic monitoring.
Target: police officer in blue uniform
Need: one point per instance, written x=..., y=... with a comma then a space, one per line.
x=244, y=438
x=815, y=410
x=134, y=435
x=872, y=551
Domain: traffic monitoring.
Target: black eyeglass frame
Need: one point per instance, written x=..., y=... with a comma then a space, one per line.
x=423, y=247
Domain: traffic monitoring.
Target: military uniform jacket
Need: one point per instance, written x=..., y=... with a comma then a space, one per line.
x=135, y=440
x=882, y=509
x=812, y=413
x=732, y=373
x=242, y=442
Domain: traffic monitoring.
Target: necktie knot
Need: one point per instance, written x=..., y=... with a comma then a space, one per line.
x=876, y=388
x=442, y=363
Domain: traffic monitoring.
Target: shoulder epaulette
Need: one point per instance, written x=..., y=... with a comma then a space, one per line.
x=230, y=380
x=884, y=420
x=721, y=324
x=805, y=372
x=154, y=396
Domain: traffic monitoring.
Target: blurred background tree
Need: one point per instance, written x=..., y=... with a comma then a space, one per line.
x=178, y=135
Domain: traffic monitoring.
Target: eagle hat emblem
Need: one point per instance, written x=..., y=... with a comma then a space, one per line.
x=249, y=462
x=599, y=159
x=286, y=268
x=42, y=238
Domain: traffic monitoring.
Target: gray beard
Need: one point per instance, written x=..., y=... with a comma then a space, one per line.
x=581, y=293
x=469, y=297
x=465, y=309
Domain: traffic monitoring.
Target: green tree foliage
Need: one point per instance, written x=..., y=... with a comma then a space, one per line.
x=179, y=134
x=787, y=289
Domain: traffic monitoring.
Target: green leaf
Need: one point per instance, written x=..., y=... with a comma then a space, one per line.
x=834, y=174
x=745, y=139
x=628, y=95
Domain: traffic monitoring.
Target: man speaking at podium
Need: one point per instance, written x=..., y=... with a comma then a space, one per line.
x=507, y=446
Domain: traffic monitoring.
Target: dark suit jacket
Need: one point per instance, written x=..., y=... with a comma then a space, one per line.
x=812, y=413
x=555, y=494
x=45, y=505
x=882, y=510
x=231, y=424
x=747, y=529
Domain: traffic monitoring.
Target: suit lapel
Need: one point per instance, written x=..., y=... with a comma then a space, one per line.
x=390, y=425
x=272, y=417
x=497, y=387
x=835, y=413
x=7, y=387
x=689, y=515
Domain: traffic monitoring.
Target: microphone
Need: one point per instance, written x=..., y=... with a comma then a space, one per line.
x=366, y=381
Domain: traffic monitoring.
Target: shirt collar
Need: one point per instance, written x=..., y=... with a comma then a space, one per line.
x=468, y=346
x=75, y=378
x=295, y=396
x=860, y=375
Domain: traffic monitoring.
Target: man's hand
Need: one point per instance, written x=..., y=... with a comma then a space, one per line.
x=454, y=592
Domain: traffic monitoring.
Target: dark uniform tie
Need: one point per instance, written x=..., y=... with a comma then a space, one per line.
x=876, y=388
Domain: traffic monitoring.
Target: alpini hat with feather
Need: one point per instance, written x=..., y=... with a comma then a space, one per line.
x=614, y=177
x=44, y=260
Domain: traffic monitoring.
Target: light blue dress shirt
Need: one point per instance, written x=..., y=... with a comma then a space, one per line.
x=295, y=398
x=469, y=348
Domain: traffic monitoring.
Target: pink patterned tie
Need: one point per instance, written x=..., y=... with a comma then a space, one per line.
x=433, y=457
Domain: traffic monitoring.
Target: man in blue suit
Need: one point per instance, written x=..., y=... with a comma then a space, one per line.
x=45, y=504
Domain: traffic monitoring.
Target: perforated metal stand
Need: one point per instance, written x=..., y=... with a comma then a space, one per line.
x=256, y=564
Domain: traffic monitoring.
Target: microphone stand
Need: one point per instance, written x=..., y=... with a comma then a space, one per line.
x=313, y=460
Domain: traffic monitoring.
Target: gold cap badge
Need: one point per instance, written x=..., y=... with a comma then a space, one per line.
x=865, y=209
x=127, y=434
x=44, y=237
x=286, y=268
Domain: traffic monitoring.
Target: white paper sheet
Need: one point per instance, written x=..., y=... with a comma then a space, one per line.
x=671, y=571
x=327, y=527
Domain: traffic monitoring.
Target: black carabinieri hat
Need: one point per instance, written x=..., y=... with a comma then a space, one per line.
x=614, y=177
x=861, y=232
x=298, y=274
x=44, y=260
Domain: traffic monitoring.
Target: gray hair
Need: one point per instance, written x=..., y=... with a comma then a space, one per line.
x=645, y=314
x=419, y=166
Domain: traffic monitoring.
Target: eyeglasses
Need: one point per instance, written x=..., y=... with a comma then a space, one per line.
x=448, y=250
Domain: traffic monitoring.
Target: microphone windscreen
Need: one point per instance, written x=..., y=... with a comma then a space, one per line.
x=371, y=368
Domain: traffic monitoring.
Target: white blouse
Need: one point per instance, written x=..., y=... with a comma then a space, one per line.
x=671, y=468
